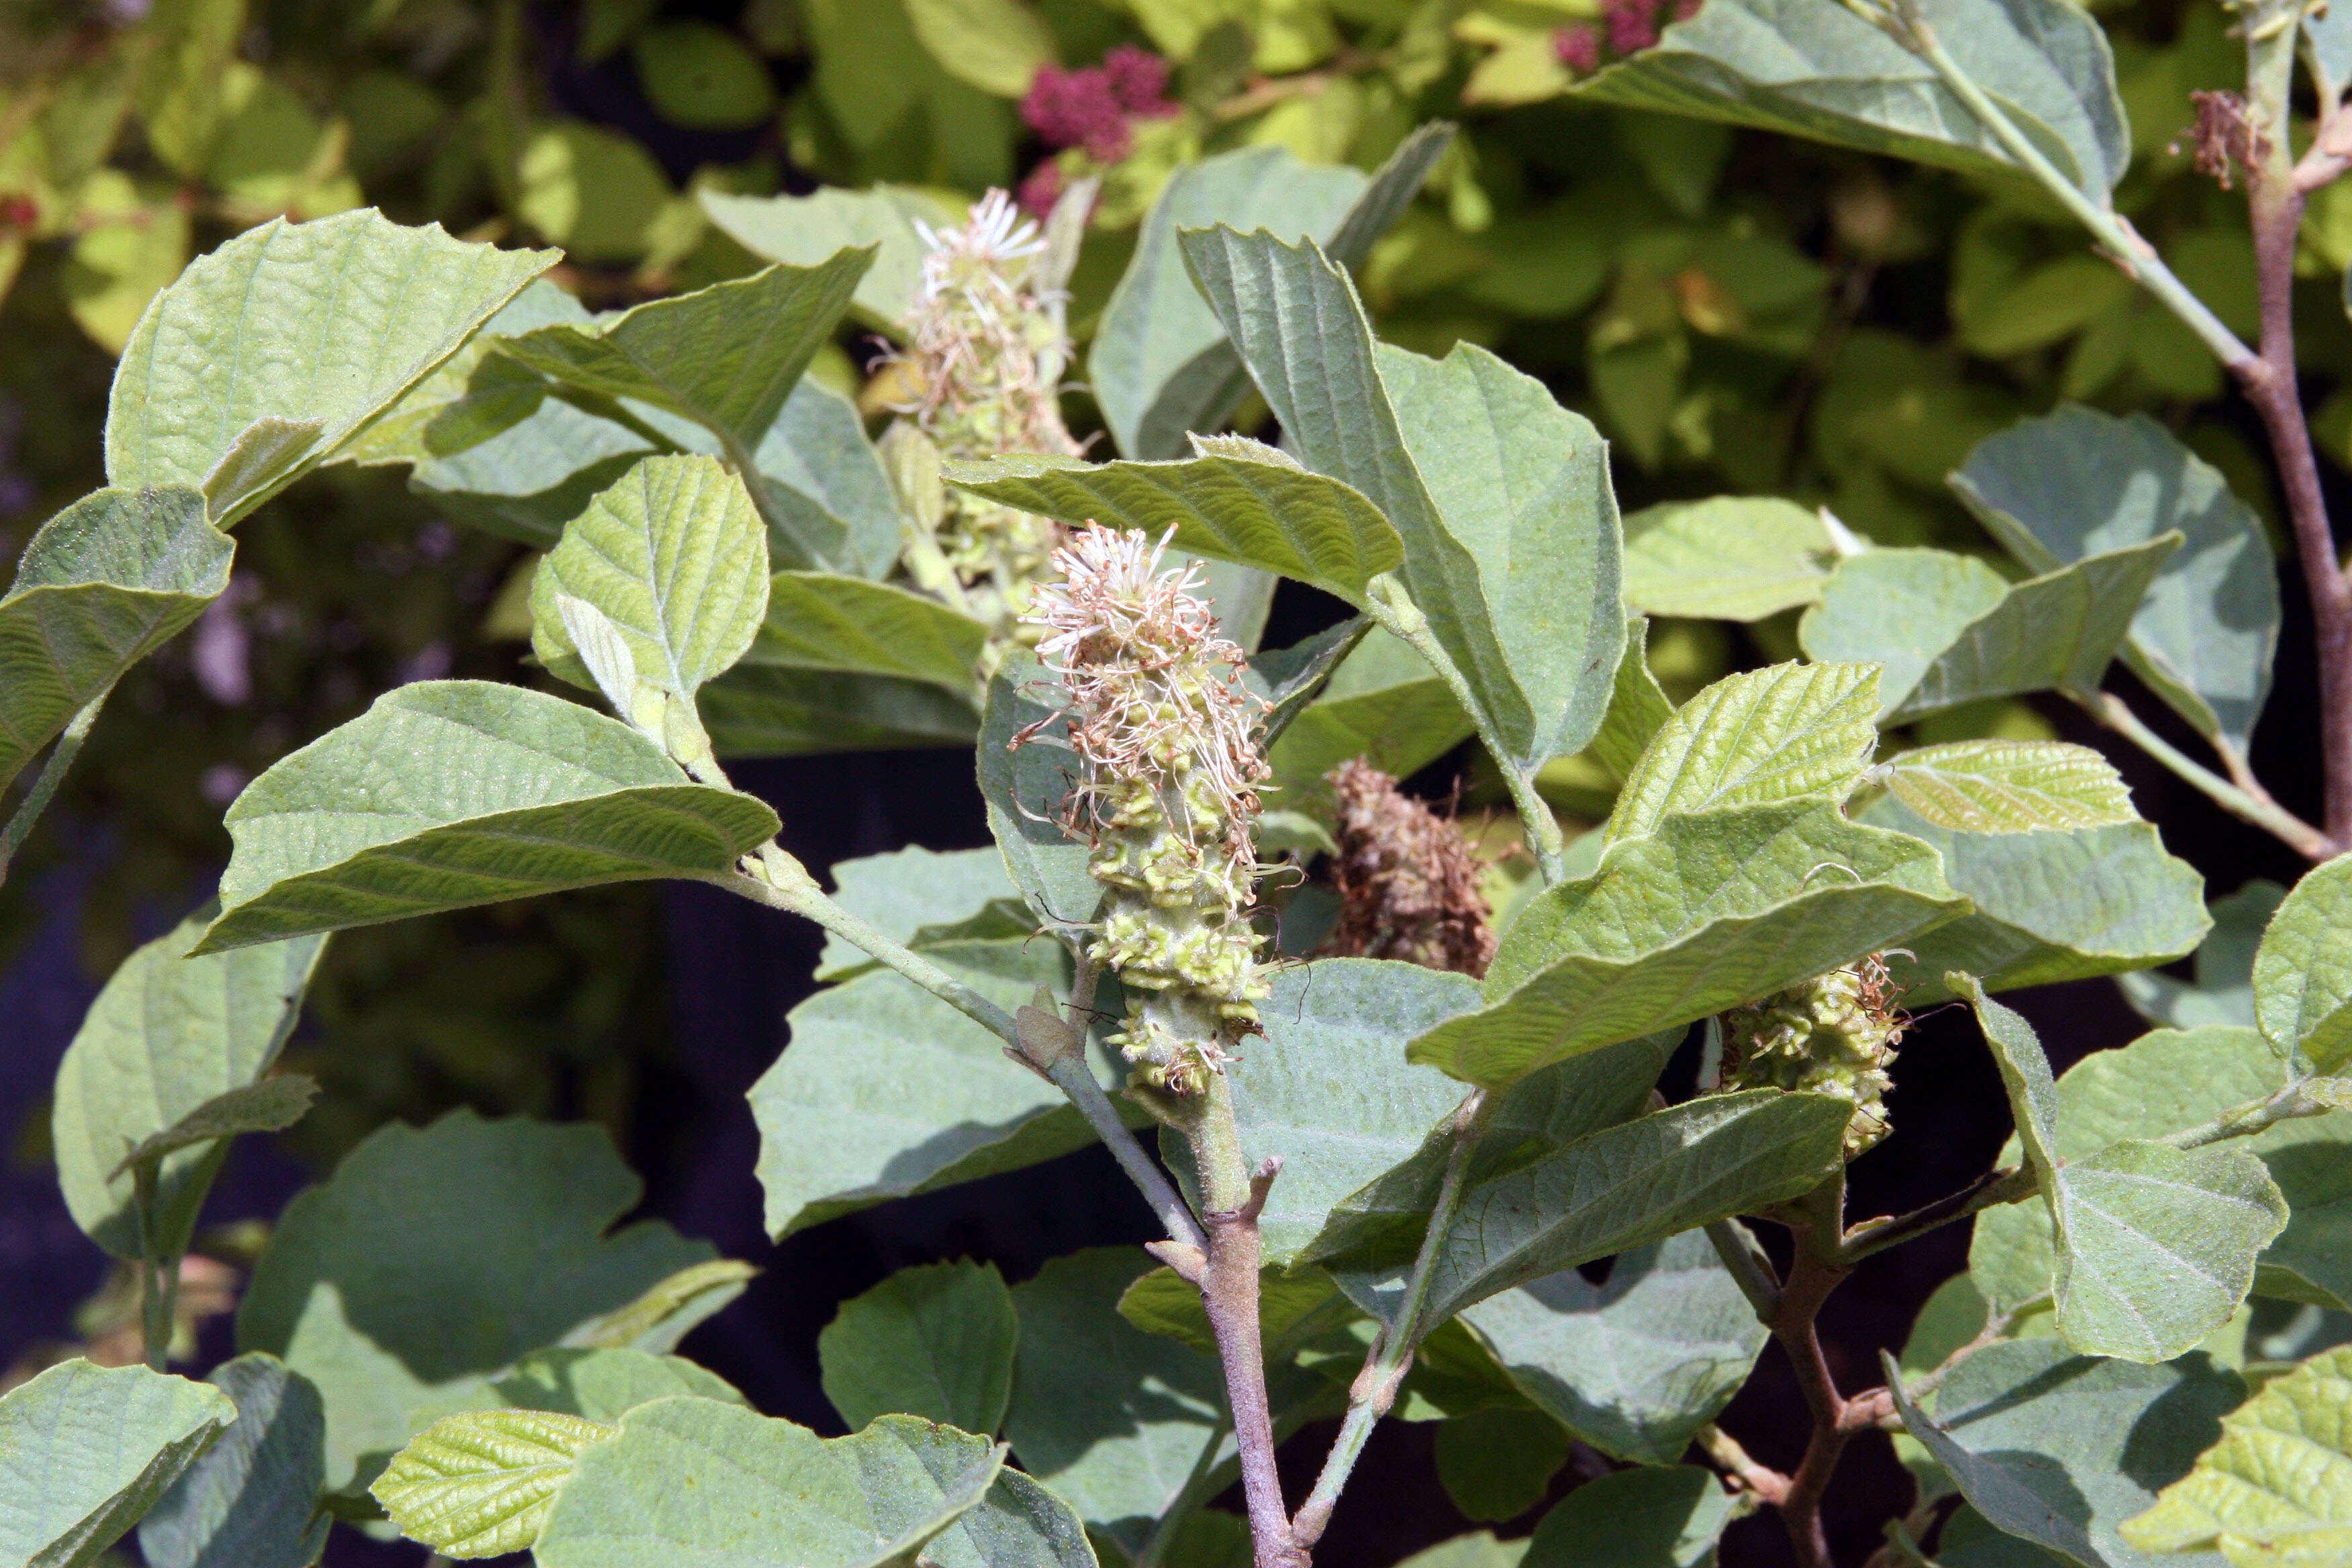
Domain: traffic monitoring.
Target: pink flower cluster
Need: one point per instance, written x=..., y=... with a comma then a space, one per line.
x=1090, y=107
x=1626, y=27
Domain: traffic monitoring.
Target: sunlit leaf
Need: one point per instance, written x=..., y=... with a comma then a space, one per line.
x=85, y=1451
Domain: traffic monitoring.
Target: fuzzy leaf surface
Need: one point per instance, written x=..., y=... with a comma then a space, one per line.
x=450, y=793
x=167, y=1036
x=1708, y=911
x=903, y=890
x=2303, y=971
x=2223, y=989
x=772, y=711
x=935, y=1341
x=434, y=1258
x=817, y=449
x=2278, y=1486
x=1650, y=1517
x=1025, y=788
x=1824, y=73
x=1383, y=704
x=480, y=1484
x=85, y=1451
x=104, y=583
x=1270, y=514
x=251, y=1500
x=821, y=622
x=1732, y=558
x=329, y=321
x=1635, y=1365
x=2061, y=1448
x=1949, y=630
x=2009, y=786
x=726, y=357
x=1638, y=706
x=805, y=231
x=674, y=555
x=2077, y=482
x=1766, y=735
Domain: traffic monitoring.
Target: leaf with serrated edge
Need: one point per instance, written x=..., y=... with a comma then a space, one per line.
x=250, y=1500
x=2303, y=971
x=481, y=1484
x=900, y=893
x=104, y=583
x=167, y=1036
x=1949, y=630
x=2280, y=1478
x=1271, y=515
x=887, y=1091
x=85, y=1451
x=2155, y=1246
x=2061, y=1448
x=676, y=557
x=2077, y=481
x=818, y=621
x=271, y=1105
x=726, y=357
x=2224, y=990
x=1706, y=912
x=330, y=321
x=499, y=792
x=1781, y=734
x=2162, y=1082
x=1826, y=73
x=1636, y=1365
x=2009, y=786
x=1732, y=558
x=935, y=1342
x=506, y=1218
x=806, y=230
x=693, y=1293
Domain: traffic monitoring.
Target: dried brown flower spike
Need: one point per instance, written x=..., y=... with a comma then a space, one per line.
x=1408, y=883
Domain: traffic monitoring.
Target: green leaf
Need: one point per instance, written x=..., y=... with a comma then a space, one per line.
x=2050, y=905
x=887, y=1091
x=1767, y=735
x=674, y=556
x=506, y=1219
x=691, y=1480
x=1329, y=1092
x=474, y=395
x=2279, y=1481
x=85, y=1451
x=168, y=1036
x=2008, y=786
x=500, y=793
x=2155, y=1246
x=1638, y=706
x=1732, y=558
x=1822, y=72
x=805, y=231
x=1706, y=912
x=768, y=710
x=2223, y=992
x=1949, y=630
x=330, y=321
x=1382, y=704
x=251, y=1500
x=1631, y=1184
x=817, y=449
x=1025, y=789
x=1479, y=1549
x=693, y=1293
x=935, y=1342
x=1289, y=679
x=994, y=45
x=104, y=583
x=1160, y=363
x=1237, y=501
x=1636, y=1365
x=902, y=892
x=2060, y=1449
x=1511, y=546
x=480, y=1484
x=1498, y=1464
x=602, y=1385
x=2161, y=1083
x=1634, y=1519
x=817, y=621
x=702, y=77
x=1292, y=1308
x=726, y=357
x=2078, y=482
x=271, y=1105
x=2302, y=972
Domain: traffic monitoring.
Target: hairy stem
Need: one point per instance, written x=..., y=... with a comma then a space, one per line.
x=2245, y=799
x=44, y=785
x=1375, y=1388
x=159, y=1275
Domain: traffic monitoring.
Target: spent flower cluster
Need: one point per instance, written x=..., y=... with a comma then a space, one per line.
x=1407, y=880
x=1166, y=795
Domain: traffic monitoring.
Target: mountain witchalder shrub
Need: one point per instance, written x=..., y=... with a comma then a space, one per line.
x=1167, y=796
x=1834, y=1034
